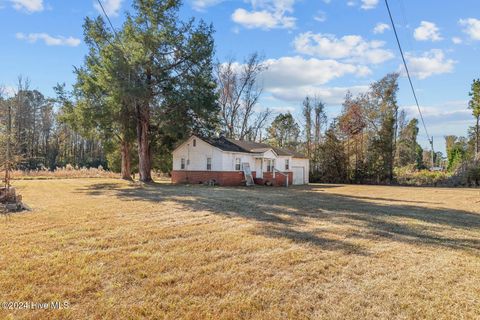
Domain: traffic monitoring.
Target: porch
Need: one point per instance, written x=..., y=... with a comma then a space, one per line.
x=265, y=172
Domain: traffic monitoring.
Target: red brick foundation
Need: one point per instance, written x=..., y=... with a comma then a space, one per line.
x=223, y=178
x=227, y=178
x=279, y=180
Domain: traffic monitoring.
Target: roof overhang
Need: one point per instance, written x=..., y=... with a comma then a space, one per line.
x=262, y=155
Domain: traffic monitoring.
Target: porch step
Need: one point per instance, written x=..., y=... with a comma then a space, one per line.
x=248, y=174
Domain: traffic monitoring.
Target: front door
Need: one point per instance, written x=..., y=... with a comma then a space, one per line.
x=259, y=168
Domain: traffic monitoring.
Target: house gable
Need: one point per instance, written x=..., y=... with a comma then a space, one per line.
x=270, y=154
x=195, y=154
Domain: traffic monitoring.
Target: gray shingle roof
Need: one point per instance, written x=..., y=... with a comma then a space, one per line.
x=232, y=145
x=223, y=144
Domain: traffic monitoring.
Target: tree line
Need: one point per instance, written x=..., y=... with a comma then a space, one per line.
x=372, y=141
x=39, y=139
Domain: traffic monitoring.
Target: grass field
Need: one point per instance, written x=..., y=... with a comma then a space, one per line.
x=119, y=251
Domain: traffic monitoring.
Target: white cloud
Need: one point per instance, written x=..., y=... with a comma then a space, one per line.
x=292, y=78
x=369, y=4
x=321, y=16
x=262, y=19
x=381, y=28
x=450, y=117
x=446, y=110
x=266, y=14
x=427, y=31
x=112, y=7
x=48, y=39
x=28, y=5
x=430, y=63
x=350, y=47
x=288, y=70
x=472, y=27
x=457, y=40
x=201, y=5
x=329, y=95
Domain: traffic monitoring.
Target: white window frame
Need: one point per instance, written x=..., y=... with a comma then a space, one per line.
x=238, y=162
x=182, y=164
x=287, y=164
x=209, y=164
x=270, y=165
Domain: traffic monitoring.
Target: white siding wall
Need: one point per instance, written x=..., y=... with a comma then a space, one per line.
x=280, y=163
x=270, y=154
x=221, y=161
x=229, y=160
x=197, y=155
x=225, y=161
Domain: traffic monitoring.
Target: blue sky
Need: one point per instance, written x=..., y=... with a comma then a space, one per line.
x=315, y=47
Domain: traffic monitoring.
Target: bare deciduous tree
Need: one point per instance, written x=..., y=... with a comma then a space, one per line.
x=238, y=94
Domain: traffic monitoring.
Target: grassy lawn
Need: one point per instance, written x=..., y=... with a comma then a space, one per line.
x=120, y=251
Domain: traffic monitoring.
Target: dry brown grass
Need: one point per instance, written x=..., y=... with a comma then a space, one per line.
x=120, y=251
x=63, y=173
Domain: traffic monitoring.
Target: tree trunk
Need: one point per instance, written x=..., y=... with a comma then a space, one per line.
x=393, y=146
x=348, y=159
x=477, y=138
x=126, y=161
x=144, y=156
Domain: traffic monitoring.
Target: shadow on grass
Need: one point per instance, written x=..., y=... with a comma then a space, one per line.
x=285, y=213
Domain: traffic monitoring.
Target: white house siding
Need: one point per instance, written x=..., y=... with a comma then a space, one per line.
x=221, y=161
x=280, y=163
x=269, y=154
x=196, y=157
x=229, y=160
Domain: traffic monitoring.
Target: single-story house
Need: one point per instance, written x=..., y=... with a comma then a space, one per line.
x=228, y=162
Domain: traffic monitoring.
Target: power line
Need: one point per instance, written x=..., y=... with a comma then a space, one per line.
x=124, y=51
x=108, y=19
x=430, y=139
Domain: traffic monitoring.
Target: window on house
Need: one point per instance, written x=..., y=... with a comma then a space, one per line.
x=194, y=142
x=287, y=164
x=270, y=165
x=182, y=164
x=238, y=164
x=209, y=163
